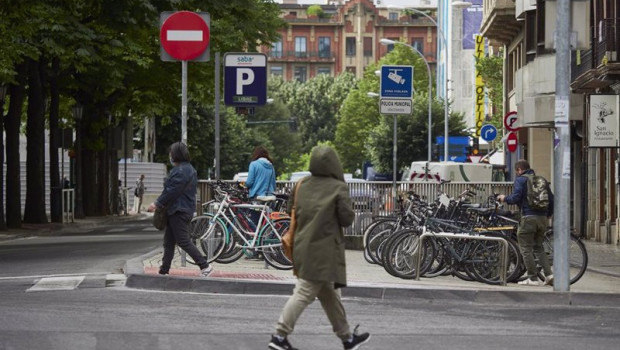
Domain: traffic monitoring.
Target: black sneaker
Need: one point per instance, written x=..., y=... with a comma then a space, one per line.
x=277, y=344
x=358, y=339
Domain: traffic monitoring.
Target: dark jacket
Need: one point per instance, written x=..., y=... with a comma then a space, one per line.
x=177, y=193
x=519, y=197
x=323, y=209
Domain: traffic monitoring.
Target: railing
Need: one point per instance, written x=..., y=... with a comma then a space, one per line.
x=605, y=43
x=374, y=198
x=302, y=55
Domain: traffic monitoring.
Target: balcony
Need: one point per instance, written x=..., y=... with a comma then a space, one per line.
x=598, y=67
x=314, y=20
x=499, y=24
x=298, y=56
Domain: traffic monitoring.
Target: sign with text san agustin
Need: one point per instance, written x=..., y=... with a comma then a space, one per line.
x=184, y=36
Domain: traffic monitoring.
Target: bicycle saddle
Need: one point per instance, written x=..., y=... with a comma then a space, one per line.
x=266, y=198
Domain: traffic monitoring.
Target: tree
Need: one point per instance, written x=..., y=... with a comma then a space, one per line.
x=360, y=113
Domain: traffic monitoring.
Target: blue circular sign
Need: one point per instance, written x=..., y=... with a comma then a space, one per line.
x=488, y=132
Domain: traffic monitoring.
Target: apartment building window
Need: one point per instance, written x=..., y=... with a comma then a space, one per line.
x=540, y=28
x=301, y=74
x=393, y=16
x=418, y=44
x=367, y=47
x=276, y=50
x=300, y=46
x=277, y=70
x=530, y=36
x=323, y=70
x=350, y=46
x=324, y=47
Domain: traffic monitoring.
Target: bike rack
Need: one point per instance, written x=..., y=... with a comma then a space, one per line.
x=503, y=260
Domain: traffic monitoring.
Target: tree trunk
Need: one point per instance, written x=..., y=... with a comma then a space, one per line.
x=34, y=210
x=55, y=185
x=12, y=124
x=2, y=220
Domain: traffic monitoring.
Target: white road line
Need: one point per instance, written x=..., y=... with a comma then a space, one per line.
x=122, y=229
x=149, y=229
x=56, y=283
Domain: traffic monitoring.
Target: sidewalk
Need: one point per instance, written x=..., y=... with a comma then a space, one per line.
x=599, y=286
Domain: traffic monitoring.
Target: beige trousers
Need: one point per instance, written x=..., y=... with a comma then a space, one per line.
x=304, y=294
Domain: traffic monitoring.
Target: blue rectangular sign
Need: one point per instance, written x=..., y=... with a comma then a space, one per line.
x=245, y=79
x=396, y=81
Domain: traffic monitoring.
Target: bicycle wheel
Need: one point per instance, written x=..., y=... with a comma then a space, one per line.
x=486, y=258
x=370, y=235
x=270, y=239
x=211, y=234
x=401, y=252
x=376, y=238
x=577, y=256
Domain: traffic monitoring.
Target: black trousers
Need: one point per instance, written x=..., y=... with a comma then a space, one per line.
x=177, y=233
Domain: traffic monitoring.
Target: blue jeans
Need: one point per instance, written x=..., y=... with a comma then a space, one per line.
x=177, y=233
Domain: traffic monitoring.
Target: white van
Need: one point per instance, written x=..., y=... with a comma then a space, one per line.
x=453, y=171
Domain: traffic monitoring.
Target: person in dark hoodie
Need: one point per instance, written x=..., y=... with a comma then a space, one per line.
x=323, y=208
x=532, y=227
x=261, y=176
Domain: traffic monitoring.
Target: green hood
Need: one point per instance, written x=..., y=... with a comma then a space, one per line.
x=324, y=162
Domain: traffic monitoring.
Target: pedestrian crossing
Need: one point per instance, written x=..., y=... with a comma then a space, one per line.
x=71, y=282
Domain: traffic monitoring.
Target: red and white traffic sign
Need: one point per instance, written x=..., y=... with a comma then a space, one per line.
x=511, y=121
x=512, y=142
x=184, y=35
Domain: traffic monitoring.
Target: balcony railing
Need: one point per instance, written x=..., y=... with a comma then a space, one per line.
x=605, y=49
x=327, y=56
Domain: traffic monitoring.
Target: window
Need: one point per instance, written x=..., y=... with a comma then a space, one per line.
x=300, y=46
x=301, y=74
x=277, y=70
x=530, y=36
x=323, y=70
x=276, y=50
x=350, y=46
x=324, y=47
x=418, y=44
x=367, y=47
x=393, y=16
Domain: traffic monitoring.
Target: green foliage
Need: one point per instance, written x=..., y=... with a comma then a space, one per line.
x=359, y=115
x=315, y=10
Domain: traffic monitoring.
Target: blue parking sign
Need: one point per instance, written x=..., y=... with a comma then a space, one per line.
x=396, y=81
x=245, y=79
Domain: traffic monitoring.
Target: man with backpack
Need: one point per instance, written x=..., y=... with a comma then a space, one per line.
x=533, y=195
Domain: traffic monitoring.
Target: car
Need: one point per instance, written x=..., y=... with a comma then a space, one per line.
x=241, y=177
x=298, y=175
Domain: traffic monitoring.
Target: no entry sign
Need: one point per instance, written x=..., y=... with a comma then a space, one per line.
x=184, y=35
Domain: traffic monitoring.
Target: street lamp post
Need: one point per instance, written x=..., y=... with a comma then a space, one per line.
x=444, y=42
x=3, y=90
x=430, y=87
x=77, y=115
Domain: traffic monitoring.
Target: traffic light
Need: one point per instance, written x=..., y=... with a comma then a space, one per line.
x=475, y=150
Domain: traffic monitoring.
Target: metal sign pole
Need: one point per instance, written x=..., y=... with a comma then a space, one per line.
x=217, y=115
x=561, y=169
x=184, y=101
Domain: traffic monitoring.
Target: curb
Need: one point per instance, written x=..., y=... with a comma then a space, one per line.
x=137, y=279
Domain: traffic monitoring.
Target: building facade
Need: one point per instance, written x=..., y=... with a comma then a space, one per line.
x=345, y=36
x=524, y=29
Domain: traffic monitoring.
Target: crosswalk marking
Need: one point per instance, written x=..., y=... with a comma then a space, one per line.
x=73, y=282
x=121, y=229
x=56, y=283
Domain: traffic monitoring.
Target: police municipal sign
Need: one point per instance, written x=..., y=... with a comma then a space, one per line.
x=396, y=82
x=395, y=106
x=245, y=79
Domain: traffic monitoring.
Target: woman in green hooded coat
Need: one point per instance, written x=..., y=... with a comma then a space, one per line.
x=323, y=208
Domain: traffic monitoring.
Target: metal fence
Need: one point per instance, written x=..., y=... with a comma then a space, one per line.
x=374, y=198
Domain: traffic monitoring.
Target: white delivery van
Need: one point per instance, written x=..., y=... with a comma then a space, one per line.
x=453, y=171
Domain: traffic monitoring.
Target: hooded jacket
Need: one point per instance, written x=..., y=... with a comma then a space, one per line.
x=179, y=190
x=261, y=178
x=323, y=209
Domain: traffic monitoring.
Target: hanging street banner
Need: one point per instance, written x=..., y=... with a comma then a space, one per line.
x=604, y=121
x=479, y=53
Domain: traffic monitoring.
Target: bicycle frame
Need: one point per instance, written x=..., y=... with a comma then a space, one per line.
x=229, y=209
